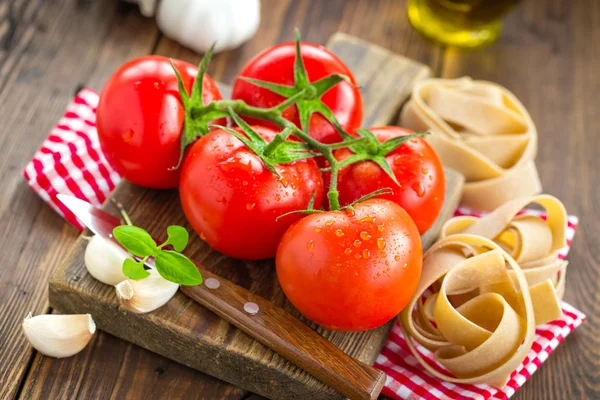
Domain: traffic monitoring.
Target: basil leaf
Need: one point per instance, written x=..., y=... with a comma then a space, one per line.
x=177, y=236
x=134, y=270
x=177, y=268
x=136, y=240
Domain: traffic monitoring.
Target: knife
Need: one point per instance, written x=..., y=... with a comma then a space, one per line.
x=270, y=325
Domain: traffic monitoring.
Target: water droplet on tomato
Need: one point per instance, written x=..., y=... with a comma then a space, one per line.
x=284, y=182
x=329, y=223
x=424, y=170
x=250, y=206
x=357, y=243
x=347, y=251
x=310, y=245
x=396, y=258
x=357, y=256
x=364, y=235
x=202, y=236
x=383, y=254
x=381, y=243
x=300, y=169
x=368, y=218
x=277, y=197
x=339, y=233
x=419, y=188
x=405, y=265
x=128, y=135
x=318, y=229
x=366, y=254
x=380, y=227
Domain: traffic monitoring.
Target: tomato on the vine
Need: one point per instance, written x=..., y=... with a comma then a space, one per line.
x=276, y=65
x=348, y=270
x=233, y=201
x=417, y=169
x=140, y=118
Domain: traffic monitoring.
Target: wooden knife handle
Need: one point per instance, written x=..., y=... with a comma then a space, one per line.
x=287, y=336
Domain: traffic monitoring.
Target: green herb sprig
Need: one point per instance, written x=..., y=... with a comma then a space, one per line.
x=170, y=264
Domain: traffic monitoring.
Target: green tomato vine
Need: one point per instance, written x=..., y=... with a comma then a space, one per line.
x=306, y=96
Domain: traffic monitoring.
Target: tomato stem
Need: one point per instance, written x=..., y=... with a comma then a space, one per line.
x=306, y=96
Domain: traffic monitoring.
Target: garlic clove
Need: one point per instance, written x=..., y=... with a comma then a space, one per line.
x=59, y=335
x=145, y=295
x=104, y=260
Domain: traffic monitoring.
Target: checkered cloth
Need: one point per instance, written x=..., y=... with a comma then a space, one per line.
x=70, y=162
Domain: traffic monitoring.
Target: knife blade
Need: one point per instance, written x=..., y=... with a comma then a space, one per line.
x=270, y=325
x=96, y=220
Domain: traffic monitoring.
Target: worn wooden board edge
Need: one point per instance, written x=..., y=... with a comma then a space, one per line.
x=454, y=184
x=73, y=290
x=377, y=109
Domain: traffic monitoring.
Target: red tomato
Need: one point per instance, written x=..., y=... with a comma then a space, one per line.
x=140, y=117
x=351, y=272
x=417, y=168
x=232, y=200
x=276, y=64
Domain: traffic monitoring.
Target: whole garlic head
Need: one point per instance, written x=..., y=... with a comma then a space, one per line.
x=104, y=260
x=197, y=24
x=145, y=295
x=59, y=335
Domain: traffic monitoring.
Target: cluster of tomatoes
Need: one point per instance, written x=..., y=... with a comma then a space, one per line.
x=348, y=269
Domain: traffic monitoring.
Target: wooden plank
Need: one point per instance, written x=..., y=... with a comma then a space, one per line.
x=37, y=76
x=112, y=368
x=188, y=332
x=45, y=53
x=382, y=22
x=548, y=55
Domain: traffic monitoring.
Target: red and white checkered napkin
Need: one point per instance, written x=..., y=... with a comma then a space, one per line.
x=70, y=162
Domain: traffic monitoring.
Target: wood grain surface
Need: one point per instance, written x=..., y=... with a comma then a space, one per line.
x=548, y=55
x=192, y=335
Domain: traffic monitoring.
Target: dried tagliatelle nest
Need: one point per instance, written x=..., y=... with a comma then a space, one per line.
x=481, y=130
x=485, y=285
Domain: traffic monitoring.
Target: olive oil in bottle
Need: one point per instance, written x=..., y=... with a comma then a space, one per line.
x=462, y=23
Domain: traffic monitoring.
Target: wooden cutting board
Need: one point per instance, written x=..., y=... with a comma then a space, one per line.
x=186, y=332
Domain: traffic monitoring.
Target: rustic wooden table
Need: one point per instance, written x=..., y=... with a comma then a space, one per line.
x=548, y=55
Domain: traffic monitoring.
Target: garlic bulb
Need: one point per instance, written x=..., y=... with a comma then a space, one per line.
x=146, y=294
x=59, y=335
x=197, y=24
x=104, y=260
